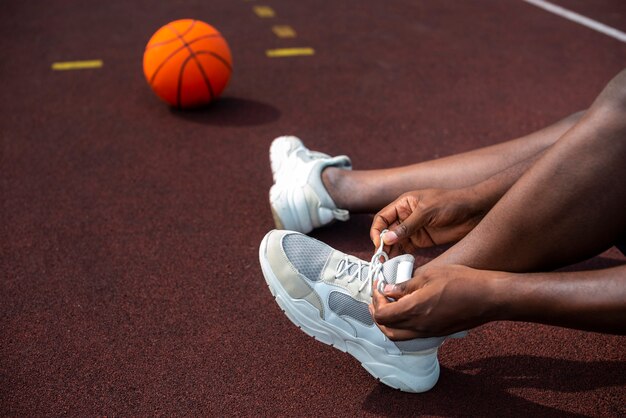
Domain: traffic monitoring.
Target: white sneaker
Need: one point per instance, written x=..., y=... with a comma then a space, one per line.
x=298, y=198
x=326, y=293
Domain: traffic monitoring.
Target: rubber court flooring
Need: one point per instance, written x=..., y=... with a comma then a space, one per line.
x=130, y=281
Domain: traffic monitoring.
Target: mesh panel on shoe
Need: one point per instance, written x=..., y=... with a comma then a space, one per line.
x=390, y=268
x=306, y=254
x=390, y=271
x=344, y=305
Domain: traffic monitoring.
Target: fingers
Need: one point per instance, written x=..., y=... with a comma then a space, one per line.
x=402, y=218
x=397, y=334
x=413, y=223
x=382, y=221
x=398, y=291
x=385, y=313
x=378, y=299
x=388, y=217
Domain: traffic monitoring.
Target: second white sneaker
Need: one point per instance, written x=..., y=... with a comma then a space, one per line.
x=298, y=198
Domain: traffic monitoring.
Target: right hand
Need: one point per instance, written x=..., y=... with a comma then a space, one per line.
x=424, y=218
x=437, y=301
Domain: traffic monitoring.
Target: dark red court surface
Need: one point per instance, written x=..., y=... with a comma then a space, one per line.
x=130, y=279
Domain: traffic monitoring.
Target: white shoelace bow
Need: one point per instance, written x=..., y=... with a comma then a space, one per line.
x=375, y=266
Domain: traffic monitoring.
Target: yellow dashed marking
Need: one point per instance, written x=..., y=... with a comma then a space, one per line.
x=76, y=65
x=289, y=52
x=284, y=31
x=264, y=11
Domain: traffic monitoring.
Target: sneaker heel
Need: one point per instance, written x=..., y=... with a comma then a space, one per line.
x=277, y=221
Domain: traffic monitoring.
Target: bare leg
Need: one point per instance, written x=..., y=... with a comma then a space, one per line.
x=568, y=206
x=369, y=191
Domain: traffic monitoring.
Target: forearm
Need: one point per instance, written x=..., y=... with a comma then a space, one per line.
x=588, y=300
x=488, y=192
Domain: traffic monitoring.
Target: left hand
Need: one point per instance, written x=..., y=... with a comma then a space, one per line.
x=437, y=301
x=423, y=218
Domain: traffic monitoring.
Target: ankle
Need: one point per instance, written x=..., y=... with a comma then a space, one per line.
x=332, y=178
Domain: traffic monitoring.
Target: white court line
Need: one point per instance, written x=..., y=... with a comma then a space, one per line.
x=575, y=17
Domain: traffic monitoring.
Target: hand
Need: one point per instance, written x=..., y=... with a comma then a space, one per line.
x=424, y=218
x=437, y=301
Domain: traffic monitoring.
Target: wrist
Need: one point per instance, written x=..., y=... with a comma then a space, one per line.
x=479, y=198
x=485, y=195
x=500, y=295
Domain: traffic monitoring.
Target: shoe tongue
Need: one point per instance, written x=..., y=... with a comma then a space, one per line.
x=398, y=269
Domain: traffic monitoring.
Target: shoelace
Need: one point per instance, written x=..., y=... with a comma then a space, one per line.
x=375, y=266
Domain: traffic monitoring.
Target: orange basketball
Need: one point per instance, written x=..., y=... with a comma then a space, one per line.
x=187, y=63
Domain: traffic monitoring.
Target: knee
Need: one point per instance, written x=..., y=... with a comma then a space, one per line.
x=575, y=117
x=614, y=94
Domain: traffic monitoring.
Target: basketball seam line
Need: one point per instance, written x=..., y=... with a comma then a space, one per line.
x=180, y=75
x=212, y=35
x=199, y=38
x=180, y=80
x=193, y=23
x=219, y=58
x=214, y=55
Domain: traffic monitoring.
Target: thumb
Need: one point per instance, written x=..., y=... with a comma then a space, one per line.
x=399, y=290
x=406, y=228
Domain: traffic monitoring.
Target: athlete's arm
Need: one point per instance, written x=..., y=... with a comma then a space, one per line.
x=423, y=218
x=441, y=300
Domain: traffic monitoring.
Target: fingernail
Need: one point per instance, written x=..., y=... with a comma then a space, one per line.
x=390, y=237
x=388, y=288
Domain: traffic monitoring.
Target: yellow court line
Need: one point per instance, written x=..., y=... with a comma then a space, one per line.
x=284, y=31
x=76, y=65
x=264, y=11
x=289, y=52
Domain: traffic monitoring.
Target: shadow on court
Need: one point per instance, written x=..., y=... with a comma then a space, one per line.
x=496, y=386
x=231, y=111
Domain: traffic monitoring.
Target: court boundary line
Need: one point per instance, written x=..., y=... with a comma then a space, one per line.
x=580, y=19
